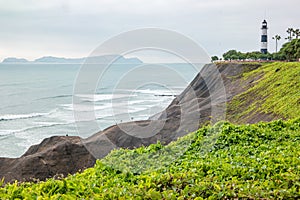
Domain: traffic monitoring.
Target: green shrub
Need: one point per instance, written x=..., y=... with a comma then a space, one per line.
x=220, y=162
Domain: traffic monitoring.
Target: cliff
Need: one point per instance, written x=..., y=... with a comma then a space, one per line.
x=203, y=101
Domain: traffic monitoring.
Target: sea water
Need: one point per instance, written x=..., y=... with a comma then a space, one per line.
x=36, y=100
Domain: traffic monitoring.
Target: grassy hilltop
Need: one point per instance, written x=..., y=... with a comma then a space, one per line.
x=256, y=161
x=273, y=94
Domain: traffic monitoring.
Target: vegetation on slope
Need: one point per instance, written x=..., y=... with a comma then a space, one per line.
x=224, y=161
x=275, y=94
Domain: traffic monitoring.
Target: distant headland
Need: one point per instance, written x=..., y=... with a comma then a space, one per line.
x=61, y=60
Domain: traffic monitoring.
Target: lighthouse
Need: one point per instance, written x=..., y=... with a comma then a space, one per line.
x=264, y=37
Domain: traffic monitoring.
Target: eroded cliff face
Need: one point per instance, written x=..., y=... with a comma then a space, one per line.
x=203, y=101
x=56, y=155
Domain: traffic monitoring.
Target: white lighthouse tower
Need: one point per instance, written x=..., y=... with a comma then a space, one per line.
x=264, y=37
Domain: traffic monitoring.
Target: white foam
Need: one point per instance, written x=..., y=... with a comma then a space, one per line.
x=136, y=109
x=103, y=97
x=7, y=132
x=62, y=116
x=38, y=125
x=85, y=107
x=20, y=116
x=158, y=92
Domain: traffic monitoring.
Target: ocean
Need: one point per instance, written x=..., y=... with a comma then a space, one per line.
x=36, y=100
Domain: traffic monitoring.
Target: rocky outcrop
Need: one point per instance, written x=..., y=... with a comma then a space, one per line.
x=56, y=155
x=203, y=101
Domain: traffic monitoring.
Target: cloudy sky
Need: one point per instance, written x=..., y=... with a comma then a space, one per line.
x=34, y=28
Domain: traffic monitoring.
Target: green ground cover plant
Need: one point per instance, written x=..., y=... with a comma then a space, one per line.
x=258, y=161
x=276, y=93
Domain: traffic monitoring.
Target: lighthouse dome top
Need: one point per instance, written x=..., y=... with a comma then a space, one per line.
x=264, y=24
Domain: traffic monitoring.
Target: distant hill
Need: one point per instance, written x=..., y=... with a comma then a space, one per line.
x=51, y=59
x=15, y=60
x=95, y=59
x=109, y=58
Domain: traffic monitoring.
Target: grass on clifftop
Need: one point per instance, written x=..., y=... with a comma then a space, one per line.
x=276, y=93
x=224, y=161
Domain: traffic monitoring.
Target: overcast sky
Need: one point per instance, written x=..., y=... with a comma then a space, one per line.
x=35, y=28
